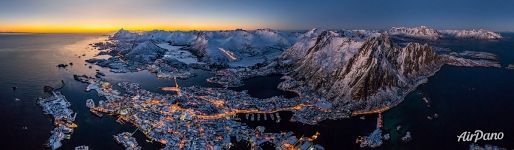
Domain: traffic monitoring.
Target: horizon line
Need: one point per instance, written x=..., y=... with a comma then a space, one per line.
x=111, y=30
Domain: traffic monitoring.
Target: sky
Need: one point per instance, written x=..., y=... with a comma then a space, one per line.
x=111, y=15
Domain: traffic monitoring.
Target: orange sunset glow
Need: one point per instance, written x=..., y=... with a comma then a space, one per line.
x=80, y=16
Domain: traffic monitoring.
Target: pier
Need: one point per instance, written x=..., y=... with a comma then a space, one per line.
x=176, y=88
x=373, y=111
x=274, y=116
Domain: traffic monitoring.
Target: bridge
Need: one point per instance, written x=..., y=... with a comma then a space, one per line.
x=173, y=89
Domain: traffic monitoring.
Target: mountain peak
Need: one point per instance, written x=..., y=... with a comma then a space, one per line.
x=367, y=74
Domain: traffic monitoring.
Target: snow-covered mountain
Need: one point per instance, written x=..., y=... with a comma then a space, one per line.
x=371, y=73
x=424, y=32
x=145, y=52
x=342, y=41
x=124, y=35
x=473, y=34
x=250, y=47
x=356, y=74
x=421, y=32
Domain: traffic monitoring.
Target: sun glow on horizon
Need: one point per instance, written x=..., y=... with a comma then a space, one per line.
x=99, y=28
x=83, y=16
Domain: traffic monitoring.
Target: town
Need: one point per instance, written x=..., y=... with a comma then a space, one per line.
x=196, y=117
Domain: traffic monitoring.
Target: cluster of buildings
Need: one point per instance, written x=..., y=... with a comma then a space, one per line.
x=198, y=118
x=127, y=141
x=58, y=107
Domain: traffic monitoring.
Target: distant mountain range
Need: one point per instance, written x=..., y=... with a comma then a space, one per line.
x=424, y=32
x=212, y=46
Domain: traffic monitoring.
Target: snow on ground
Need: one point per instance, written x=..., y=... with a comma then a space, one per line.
x=175, y=52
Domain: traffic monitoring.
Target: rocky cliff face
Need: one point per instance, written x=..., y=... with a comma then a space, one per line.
x=368, y=74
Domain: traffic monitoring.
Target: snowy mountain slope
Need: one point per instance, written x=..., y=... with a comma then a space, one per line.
x=421, y=32
x=123, y=35
x=145, y=52
x=362, y=75
x=324, y=41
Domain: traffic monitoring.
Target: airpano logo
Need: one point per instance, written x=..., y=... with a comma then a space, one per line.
x=467, y=136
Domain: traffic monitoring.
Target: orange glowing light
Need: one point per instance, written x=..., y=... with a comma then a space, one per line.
x=107, y=28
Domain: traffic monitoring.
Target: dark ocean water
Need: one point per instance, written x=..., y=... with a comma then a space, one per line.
x=466, y=99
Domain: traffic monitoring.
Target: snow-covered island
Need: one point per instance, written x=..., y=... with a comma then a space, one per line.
x=473, y=34
x=427, y=33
